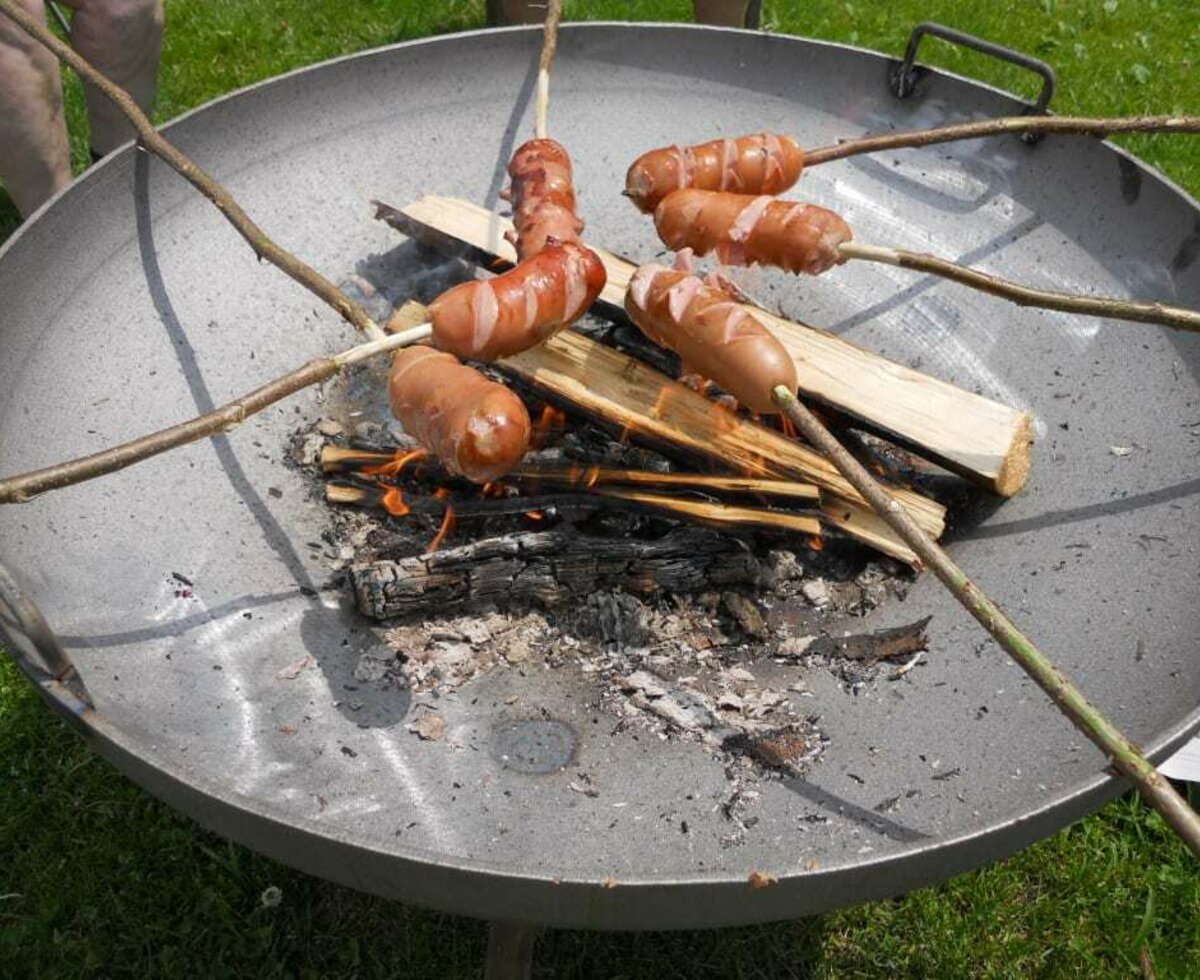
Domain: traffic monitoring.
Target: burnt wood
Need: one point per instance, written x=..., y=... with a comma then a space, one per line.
x=547, y=568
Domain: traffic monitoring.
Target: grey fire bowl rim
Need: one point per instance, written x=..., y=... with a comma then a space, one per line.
x=482, y=889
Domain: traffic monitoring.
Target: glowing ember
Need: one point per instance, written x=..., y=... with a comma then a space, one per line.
x=816, y=543
x=789, y=428
x=535, y=515
x=394, y=466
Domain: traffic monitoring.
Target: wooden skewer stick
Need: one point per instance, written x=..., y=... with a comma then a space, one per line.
x=1086, y=716
x=1078, y=125
x=1106, y=306
x=25, y=486
x=264, y=247
x=549, y=43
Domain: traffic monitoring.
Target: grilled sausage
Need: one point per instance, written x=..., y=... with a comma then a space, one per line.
x=745, y=230
x=543, y=198
x=714, y=335
x=765, y=163
x=476, y=427
x=490, y=318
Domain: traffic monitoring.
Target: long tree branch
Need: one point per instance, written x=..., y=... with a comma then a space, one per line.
x=1126, y=756
x=152, y=140
x=541, y=103
x=1121, y=309
x=24, y=487
x=1078, y=125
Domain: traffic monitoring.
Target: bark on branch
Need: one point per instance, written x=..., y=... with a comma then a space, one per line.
x=24, y=487
x=1076, y=125
x=1126, y=756
x=152, y=140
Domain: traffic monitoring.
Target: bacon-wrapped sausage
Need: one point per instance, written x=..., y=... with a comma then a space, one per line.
x=765, y=163
x=714, y=335
x=745, y=230
x=543, y=198
x=490, y=318
x=476, y=427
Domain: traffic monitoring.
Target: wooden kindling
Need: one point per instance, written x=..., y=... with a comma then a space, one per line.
x=358, y=490
x=982, y=440
x=340, y=459
x=652, y=408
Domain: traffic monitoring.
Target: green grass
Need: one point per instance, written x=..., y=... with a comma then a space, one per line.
x=99, y=880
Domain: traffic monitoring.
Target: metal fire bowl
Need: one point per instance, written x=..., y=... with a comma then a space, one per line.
x=129, y=303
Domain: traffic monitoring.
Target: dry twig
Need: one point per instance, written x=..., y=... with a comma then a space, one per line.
x=1077, y=125
x=152, y=140
x=549, y=43
x=1105, y=306
x=25, y=486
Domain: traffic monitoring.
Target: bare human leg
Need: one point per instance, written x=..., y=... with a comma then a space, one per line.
x=122, y=38
x=34, y=155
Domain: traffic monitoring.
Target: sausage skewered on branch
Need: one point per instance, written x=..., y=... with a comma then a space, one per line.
x=769, y=163
x=743, y=229
x=715, y=336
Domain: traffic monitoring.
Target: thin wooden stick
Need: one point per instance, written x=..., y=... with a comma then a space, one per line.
x=25, y=486
x=1105, y=306
x=1079, y=125
x=600, y=477
x=264, y=247
x=1086, y=716
x=549, y=43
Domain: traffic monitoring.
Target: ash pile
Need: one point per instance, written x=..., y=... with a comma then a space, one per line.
x=686, y=627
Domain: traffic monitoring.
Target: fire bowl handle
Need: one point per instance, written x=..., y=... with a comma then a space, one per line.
x=905, y=75
x=22, y=625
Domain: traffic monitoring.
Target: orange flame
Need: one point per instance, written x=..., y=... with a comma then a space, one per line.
x=551, y=418
x=592, y=477
x=394, y=466
x=660, y=403
x=393, y=501
x=816, y=543
x=447, y=524
x=788, y=427
x=535, y=515
x=494, y=488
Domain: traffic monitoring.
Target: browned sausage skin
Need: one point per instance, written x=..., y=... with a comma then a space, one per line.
x=765, y=163
x=490, y=318
x=476, y=427
x=746, y=230
x=543, y=198
x=714, y=335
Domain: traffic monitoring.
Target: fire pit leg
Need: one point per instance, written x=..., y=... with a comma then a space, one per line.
x=510, y=951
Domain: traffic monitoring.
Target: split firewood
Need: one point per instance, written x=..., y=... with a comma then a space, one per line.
x=976, y=437
x=650, y=407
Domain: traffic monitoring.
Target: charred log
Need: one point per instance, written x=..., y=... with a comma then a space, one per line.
x=548, y=568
